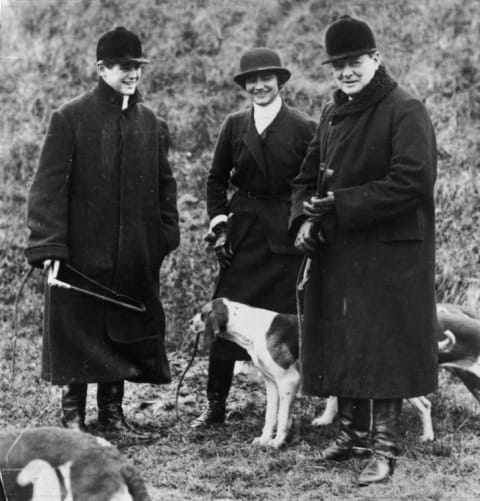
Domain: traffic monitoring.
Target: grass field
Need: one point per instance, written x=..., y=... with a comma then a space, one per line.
x=221, y=464
x=431, y=46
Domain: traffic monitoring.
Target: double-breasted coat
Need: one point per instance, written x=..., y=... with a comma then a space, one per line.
x=103, y=201
x=260, y=169
x=370, y=319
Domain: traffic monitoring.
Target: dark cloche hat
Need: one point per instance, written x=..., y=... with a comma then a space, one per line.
x=261, y=59
x=120, y=46
x=348, y=37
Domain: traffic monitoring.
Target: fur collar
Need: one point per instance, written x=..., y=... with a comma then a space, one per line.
x=380, y=86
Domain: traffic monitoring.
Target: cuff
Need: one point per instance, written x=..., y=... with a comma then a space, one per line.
x=37, y=254
x=221, y=218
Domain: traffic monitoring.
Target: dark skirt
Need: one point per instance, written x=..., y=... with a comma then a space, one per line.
x=257, y=277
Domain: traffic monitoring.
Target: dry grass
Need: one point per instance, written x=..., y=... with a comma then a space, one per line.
x=432, y=46
x=221, y=464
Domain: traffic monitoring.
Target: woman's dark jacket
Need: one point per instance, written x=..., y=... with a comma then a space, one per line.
x=103, y=200
x=370, y=299
x=260, y=170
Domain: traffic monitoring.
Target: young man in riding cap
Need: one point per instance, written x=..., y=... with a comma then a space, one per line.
x=102, y=211
x=370, y=298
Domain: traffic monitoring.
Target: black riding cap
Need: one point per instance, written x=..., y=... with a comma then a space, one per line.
x=120, y=46
x=348, y=37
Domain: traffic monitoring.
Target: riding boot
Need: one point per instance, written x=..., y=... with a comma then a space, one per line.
x=74, y=398
x=352, y=438
x=110, y=412
x=220, y=376
x=385, y=437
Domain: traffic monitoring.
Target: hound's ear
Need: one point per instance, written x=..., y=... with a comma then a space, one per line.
x=212, y=327
x=221, y=313
x=215, y=319
x=206, y=314
x=206, y=310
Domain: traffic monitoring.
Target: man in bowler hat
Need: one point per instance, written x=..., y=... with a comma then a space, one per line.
x=369, y=230
x=102, y=216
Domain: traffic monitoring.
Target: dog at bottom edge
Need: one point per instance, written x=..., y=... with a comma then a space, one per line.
x=51, y=463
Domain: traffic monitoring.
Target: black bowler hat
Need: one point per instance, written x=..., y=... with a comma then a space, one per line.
x=120, y=46
x=261, y=59
x=348, y=37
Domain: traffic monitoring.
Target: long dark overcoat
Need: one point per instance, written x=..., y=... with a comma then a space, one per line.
x=260, y=169
x=103, y=200
x=370, y=301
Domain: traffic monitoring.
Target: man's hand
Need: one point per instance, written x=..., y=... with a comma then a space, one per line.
x=308, y=237
x=319, y=207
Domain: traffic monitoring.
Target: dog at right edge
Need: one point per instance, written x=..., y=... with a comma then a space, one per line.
x=458, y=336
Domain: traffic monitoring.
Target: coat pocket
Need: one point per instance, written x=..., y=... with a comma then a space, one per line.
x=407, y=227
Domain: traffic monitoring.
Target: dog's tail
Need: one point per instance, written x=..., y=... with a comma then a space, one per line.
x=446, y=345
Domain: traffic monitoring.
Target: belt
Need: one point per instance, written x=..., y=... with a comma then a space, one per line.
x=258, y=196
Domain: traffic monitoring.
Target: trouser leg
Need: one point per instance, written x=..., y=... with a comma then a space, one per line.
x=110, y=411
x=74, y=398
x=220, y=376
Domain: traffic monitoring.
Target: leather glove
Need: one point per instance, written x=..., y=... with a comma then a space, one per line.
x=216, y=238
x=223, y=251
x=318, y=207
x=308, y=237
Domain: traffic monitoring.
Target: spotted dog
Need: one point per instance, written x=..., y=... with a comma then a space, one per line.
x=37, y=464
x=271, y=340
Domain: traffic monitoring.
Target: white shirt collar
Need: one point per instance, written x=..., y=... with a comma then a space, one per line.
x=263, y=116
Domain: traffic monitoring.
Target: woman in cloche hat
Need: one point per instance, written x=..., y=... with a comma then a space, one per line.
x=258, y=152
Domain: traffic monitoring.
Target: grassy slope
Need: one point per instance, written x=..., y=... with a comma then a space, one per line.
x=182, y=464
x=431, y=46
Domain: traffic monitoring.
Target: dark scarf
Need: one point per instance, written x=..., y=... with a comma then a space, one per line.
x=380, y=86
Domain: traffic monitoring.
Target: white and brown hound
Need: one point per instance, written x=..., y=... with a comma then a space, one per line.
x=271, y=340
